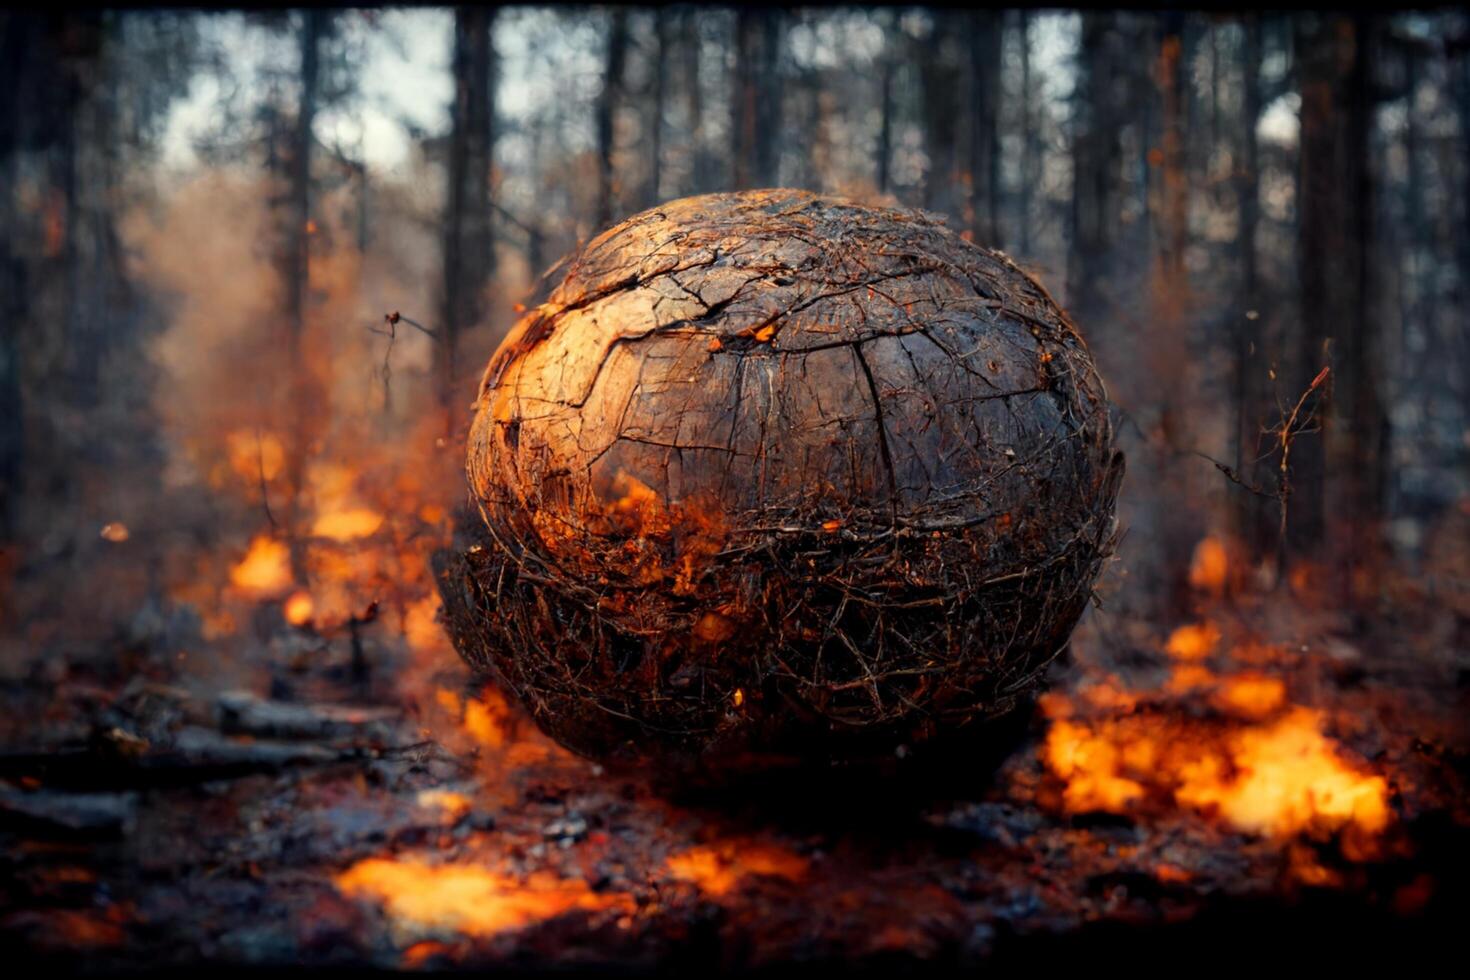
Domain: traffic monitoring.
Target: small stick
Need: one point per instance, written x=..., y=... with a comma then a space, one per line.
x=265, y=500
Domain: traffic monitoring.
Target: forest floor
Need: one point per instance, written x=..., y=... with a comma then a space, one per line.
x=365, y=808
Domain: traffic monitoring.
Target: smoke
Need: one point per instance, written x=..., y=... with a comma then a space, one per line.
x=378, y=477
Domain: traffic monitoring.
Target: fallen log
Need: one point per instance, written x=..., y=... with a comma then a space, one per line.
x=85, y=814
x=243, y=713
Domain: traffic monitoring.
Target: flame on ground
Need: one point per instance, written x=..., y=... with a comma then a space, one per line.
x=1266, y=767
x=451, y=803
x=481, y=718
x=487, y=723
x=1286, y=778
x=347, y=525
x=265, y=571
x=468, y=899
x=719, y=868
x=324, y=440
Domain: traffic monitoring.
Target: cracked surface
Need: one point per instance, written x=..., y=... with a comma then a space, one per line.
x=770, y=474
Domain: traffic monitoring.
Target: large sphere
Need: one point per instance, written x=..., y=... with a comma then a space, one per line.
x=775, y=476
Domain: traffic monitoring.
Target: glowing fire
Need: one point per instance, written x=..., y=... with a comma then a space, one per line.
x=255, y=456
x=1267, y=767
x=1285, y=778
x=451, y=803
x=1209, y=570
x=718, y=869
x=346, y=486
x=1194, y=642
x=481, y=718
x=347, y=525
x=486, y=722
x=298, y=608
x=1250, y=695
x=265, y=570
x=468, y=899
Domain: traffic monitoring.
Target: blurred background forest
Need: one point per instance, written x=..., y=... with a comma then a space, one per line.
x=253, y=263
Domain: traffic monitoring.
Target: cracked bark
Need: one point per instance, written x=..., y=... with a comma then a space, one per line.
x=831, y=457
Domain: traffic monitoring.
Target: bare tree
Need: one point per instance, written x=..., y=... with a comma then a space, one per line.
x=699, y=164
x=295, y=271
x=986, y=36
x=756, y=116
x=656, y=107
x=615, y=60
x=1336, y=274
x=940, y=83
x=1030, y=151
x=1251, y=365
x=1096, y=163
x=469, y=238
x=887, y=70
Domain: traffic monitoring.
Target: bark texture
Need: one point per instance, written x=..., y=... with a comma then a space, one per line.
x=769, y=476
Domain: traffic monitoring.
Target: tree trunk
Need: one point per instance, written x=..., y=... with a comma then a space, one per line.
x=15, y=44
x=887, y=69
x=757, y=98
x=1417, y=292
x=1335, y=268
x=985, y=79
x=469, y=241
x=699, y=168
x=1096, y=169
x=296, y=274
x=656, y=123
x=1252, y=405
x=816, y=159
x=607, y=106
x=1029, y=152
x=1167, y=351
x=1361, y=375
x=939, y=79
x=1463, y=237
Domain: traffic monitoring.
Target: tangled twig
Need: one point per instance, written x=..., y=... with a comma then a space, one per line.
x=390, y=330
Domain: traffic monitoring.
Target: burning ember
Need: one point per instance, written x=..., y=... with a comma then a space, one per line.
x=718, y=869
x=1217, y=734
x=466, y=900
x=1281, y=777
x=265, y=570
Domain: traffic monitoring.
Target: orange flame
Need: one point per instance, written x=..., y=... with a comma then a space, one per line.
x=265, y=571
x=1277, y=779
x=347, y=525
x=718, y=869
x=468, y=899
x=1284, y=779
x=255, y=456
x=450, y=802
x=1250, y=695
x=1193, y=642
x=298, y=608
x=1209, y=570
